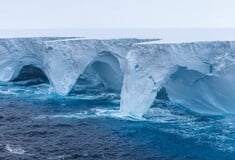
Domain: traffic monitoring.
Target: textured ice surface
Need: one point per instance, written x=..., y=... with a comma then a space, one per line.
x=198, y=75
x=205, y=85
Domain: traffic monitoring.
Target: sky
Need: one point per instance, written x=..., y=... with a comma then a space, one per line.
x=49, y=14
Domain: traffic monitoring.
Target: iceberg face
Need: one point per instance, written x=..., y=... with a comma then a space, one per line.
x=62, y=60
x=198, y=75
x=202, y=93
x=15, y=54
x=144, y=76
x=202, y=86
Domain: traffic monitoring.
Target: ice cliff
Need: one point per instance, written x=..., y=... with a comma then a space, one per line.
x=198, y=75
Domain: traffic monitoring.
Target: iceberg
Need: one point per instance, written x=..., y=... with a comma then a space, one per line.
x=198, y=75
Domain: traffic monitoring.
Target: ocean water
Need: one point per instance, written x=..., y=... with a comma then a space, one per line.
x=35, y=123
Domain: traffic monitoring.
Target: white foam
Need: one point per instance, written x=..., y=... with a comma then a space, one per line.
x=93, y=113
x=14, y=149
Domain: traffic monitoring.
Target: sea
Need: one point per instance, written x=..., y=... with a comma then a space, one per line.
x=36, y=123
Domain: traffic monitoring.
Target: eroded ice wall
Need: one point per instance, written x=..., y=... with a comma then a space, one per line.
x=64, y=60
x=198, y=75
x=67, y=60
x=151, y=66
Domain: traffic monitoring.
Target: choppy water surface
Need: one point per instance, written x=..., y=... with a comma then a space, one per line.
x=37, y=124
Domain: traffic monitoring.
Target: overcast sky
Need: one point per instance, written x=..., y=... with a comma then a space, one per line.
x=116, y=13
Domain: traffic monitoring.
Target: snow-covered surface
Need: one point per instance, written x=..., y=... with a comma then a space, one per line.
x=171, y=35
x=198, y=75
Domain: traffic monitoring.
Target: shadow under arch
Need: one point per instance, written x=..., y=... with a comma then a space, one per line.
x=103, y=72
x=31, y=75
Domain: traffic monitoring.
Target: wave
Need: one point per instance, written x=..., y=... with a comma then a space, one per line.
x=15, y=149
x=177, y=120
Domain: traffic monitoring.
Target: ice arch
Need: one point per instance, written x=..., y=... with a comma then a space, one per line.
x=146, y=67
x=11, y=68
x=32, y=74
x=150, y=67
x=62, y=60
x=108, y=70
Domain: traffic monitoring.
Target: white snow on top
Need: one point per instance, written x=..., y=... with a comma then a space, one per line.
x=64, y=40
x=166, y=35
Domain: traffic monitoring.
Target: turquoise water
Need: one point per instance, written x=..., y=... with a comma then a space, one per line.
x=35, y=123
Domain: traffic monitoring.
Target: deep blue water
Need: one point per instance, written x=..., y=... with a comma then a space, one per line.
x=36, y=124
